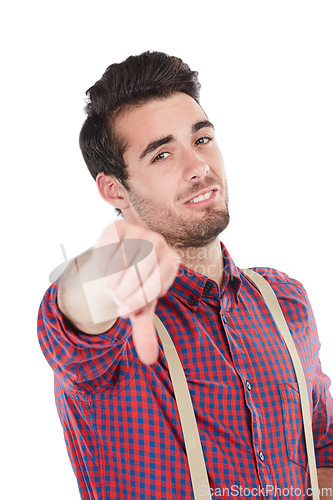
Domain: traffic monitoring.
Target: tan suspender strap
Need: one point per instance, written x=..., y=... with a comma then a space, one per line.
x=195, y=457
x=274, y=306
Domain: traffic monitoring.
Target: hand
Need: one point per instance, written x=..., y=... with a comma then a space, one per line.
x=139, y=267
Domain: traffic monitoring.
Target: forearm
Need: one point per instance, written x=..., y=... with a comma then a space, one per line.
x=325, y=481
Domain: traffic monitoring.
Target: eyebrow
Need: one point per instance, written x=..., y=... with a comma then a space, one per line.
x=156, y=144
x=170, y=138
x=206, y=123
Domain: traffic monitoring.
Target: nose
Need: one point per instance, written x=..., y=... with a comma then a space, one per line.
x=194, y=167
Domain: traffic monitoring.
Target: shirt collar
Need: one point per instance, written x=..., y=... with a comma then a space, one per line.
x=190, y=285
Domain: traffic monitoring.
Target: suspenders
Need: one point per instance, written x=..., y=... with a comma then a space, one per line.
x=196, y=461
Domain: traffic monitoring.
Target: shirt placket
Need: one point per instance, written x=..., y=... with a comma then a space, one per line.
x=266, y=481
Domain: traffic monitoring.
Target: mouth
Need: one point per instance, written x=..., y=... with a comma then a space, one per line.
x=203, y=198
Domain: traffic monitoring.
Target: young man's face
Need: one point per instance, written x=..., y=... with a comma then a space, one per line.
x=171, y=157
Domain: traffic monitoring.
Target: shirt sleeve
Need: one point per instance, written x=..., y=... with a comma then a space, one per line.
x=322, y=419
x=322, y=401
x=322, y=422
x=74, y=356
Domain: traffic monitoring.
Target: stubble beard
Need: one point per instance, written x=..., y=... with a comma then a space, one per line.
x=182, y=231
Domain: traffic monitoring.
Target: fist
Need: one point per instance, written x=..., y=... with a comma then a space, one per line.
x=130, y=267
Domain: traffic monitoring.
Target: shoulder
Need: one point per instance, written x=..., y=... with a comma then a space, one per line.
x=274, y=276
x=284, y=286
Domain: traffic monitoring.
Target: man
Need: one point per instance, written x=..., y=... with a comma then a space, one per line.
x=153, y=153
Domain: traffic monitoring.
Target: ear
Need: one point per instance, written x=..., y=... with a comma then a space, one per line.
x=112, y=191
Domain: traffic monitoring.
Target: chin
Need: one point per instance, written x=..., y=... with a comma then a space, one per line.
x=193, y=232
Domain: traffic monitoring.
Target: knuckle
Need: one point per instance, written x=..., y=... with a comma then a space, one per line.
x=158, y=241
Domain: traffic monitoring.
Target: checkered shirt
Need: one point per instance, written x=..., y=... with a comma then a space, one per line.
x=119, y=417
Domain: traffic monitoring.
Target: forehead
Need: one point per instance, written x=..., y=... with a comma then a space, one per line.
x=157, y=118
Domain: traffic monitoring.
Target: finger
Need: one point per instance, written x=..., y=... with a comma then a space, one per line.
x=125, y=253
x=109, y=252
x=111, y=234
x=139, y=291
x=132, y=282
x=144, y=335
x=169, y=271
x=155, y=285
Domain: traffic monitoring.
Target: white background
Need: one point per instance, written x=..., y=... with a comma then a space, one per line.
x=266, y=74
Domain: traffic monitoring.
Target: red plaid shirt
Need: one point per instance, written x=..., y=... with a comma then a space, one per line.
x=120, y=418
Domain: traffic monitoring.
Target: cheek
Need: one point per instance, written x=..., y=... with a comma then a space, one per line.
x=162, y=184
x=216, y=163
x=141, y=183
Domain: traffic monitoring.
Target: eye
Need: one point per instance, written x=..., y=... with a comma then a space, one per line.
x=161, y=156
x=203, y=140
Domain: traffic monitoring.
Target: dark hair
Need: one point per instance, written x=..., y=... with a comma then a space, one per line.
x=138, y=79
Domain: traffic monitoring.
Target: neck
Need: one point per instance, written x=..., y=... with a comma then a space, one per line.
x=207, y=260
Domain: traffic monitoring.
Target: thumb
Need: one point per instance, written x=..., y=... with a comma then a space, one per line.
x=144, y=334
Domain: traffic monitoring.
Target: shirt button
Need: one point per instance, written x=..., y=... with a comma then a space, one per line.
x=224, y=319
x=208, y=286
x=261, y=456
x=192, y=301
x=248, y=385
